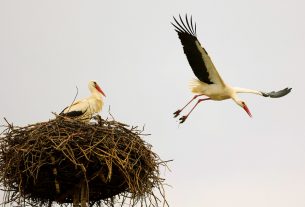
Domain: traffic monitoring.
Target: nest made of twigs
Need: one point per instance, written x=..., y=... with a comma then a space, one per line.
x=67, y=161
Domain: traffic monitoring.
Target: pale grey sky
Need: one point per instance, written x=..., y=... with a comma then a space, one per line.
x=221, y=156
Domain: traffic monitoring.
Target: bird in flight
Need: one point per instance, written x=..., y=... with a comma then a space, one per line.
x=84, y=109
x=209, y=82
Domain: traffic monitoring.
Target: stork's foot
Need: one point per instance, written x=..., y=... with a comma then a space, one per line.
x=182, y=119
x=177, y=113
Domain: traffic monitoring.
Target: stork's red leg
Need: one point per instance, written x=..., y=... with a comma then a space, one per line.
x=176, y=113
x=183, y=118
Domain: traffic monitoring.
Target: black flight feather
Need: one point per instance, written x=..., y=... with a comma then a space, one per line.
x=72, y=113
x=187, y=35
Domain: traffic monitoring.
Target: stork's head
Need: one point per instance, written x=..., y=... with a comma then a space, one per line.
x=94, y=87
x=244, y=106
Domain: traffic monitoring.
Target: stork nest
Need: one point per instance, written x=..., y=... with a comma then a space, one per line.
x=65, y=161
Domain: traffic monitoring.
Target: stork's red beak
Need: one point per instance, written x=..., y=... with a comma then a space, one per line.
x=100, y=90
x=247, y=110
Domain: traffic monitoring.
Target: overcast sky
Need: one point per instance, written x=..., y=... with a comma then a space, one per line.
x=221, y=156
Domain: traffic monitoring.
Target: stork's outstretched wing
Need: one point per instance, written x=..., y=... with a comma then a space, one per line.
x=197, y=56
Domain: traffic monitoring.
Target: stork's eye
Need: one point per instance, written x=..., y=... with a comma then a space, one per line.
x=94, y=83
x=243, y=103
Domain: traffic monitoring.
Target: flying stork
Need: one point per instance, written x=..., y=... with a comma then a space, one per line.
x=84, y=109
x=209, y=82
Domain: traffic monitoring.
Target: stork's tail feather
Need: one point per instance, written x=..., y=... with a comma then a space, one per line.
x=197, y=86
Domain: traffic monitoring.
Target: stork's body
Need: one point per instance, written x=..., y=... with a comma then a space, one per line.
x=84, y=109
x=209, y=82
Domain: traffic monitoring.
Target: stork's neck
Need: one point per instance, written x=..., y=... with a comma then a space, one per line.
x=235, y=98
x=246, y=90
x=96, y=94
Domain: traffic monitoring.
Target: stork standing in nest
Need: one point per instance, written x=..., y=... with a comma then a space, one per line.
x=209, y=81
x=84, y=109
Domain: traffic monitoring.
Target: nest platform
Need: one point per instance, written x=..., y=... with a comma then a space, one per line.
x=68, y=162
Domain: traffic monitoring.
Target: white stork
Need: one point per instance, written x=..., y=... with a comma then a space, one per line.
x=210, y=83
x=84, y=109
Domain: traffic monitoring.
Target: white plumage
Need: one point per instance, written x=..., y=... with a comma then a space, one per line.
x=84, y=109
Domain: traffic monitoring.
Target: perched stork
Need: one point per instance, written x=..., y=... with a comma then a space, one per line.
x=210, y=84
x=84, y=109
